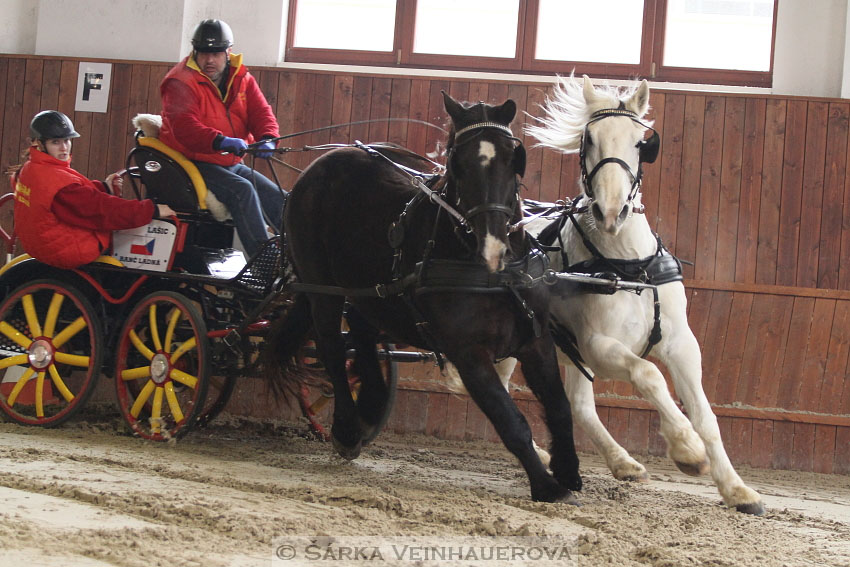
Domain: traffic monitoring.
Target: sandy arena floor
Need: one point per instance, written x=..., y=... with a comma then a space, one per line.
x=87, y=494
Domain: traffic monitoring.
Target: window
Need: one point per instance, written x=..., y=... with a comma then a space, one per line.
x=667, y=40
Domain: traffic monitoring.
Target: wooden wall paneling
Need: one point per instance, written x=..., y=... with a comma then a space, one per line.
x=637, y=438
x=668, y=170
x=689, y=190
x=783, y=445
x=15, y=126
x=285, y=97
x=835, y=372
x=479, y=92
x=832, y=213
x=652, y=172
x=812, y=194
x=68, y=88
x=417, y=134
x=99, y=146
x=795, y=355
x=497, y=93
x=841, y=463
x=456, y=409
x=844, y=406
x=157, y=74
x=305, y=88
x=4, y=69
x=459, y=90
x=808, y=387
x=733, y=348
x=739, y=445
x=774, y=345
x=380, y=109
x=760, y=352
x=569, y=185
x=437, y=115
x=824, y=450
x=550, y=175
x=323, y=108
x=657, y=444
x=140, y=79
x=709, y=188
x=436, y=418
x=791, y=196
x=534, y=156
x=699, y=308
x=50, y=84
x=748, y=213
x=399, y=111
x=716, y=327
x=771, y=191
x=343, y=99
x=730, y=189
x=803, y=448
x=31, y=105
x=763, y=440
x=118, y=125
x=618, y=424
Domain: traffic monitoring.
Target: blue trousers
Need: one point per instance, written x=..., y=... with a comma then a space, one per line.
x=234, y=186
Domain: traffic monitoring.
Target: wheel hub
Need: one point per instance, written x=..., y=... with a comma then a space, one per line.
x=159, y=368
x=40, y=354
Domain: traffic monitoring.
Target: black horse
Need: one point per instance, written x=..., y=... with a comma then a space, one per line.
x=457, y=282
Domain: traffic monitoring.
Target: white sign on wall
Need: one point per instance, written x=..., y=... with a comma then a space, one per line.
x=93, y=87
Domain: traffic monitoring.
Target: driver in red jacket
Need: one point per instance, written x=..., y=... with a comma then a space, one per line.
x=212, y=108
x=63, y=218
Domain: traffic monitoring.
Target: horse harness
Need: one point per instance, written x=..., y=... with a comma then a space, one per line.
x=432, y=275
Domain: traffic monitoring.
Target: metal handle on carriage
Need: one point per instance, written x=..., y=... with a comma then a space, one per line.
x=551, y=277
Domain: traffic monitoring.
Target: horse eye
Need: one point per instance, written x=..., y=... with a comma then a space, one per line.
x=588, y=140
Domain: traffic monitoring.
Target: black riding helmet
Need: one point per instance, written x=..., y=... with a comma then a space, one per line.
x=49, y=124
x=211, y=36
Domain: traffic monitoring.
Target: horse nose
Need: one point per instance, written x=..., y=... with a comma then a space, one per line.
x=624, y=213
x=597, y=212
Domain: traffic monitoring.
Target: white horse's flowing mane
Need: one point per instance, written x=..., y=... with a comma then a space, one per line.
x=567, y=112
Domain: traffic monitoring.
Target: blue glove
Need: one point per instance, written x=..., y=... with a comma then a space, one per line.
x=233, y=145
x=264, y=149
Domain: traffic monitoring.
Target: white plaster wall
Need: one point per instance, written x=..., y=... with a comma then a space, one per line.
x=845, y=78
x=18, y=20
x=147, y=30
x=808, y=56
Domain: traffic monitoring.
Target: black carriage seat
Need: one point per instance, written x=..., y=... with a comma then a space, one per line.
x=168, y=176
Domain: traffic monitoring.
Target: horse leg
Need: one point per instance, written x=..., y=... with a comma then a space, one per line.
x=482, y=382
x=327, y=318
x=683, y=359
x=505, y=369
x=580, y=392
x=612, y=359
x=372, y=397
x=542, y=374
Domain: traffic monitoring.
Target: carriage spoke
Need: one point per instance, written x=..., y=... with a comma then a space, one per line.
x=173, y=403
x=156, y=410
x=15, y=335
x=154, y=328
x=53, y=314
x=73, y=359
x=39, y=395
x=169, y=332
x=31, y=315
x=136, y=373
x=60, y=385
x=13, y=395
x=69, y=332
x=140, y=346
x=183, y=378
x=142, y=398
x=182, y=349
x=13, y=361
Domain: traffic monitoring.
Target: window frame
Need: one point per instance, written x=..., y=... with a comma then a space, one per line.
x=651, y=64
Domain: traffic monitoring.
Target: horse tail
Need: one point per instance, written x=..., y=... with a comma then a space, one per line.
x=281, y=364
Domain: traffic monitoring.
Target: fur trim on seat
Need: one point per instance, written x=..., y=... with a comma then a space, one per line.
x=149, y=124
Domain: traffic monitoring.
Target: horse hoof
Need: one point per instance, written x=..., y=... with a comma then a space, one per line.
x=693, y=469
x=569, y=498
x=754, y=508
x=637, y=477
x=346, y=452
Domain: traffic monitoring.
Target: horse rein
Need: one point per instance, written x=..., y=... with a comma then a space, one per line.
x=651, y=145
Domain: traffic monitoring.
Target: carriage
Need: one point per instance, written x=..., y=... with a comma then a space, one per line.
x=173, y=316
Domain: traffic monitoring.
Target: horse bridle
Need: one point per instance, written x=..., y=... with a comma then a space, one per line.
x=488, y=207
x=647, y=152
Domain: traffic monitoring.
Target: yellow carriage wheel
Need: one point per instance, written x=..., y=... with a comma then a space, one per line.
x=51, y=349
x=162, y=366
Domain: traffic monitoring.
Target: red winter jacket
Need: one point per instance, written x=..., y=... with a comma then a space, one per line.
x=55, y=232
x=194, y=113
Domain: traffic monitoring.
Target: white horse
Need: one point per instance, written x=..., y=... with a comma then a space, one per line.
x=606, y=126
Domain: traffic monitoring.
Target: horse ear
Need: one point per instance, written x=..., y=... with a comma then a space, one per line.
x=453, y=107
x=587, y=90
x=505, y=114
x=639, y=101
